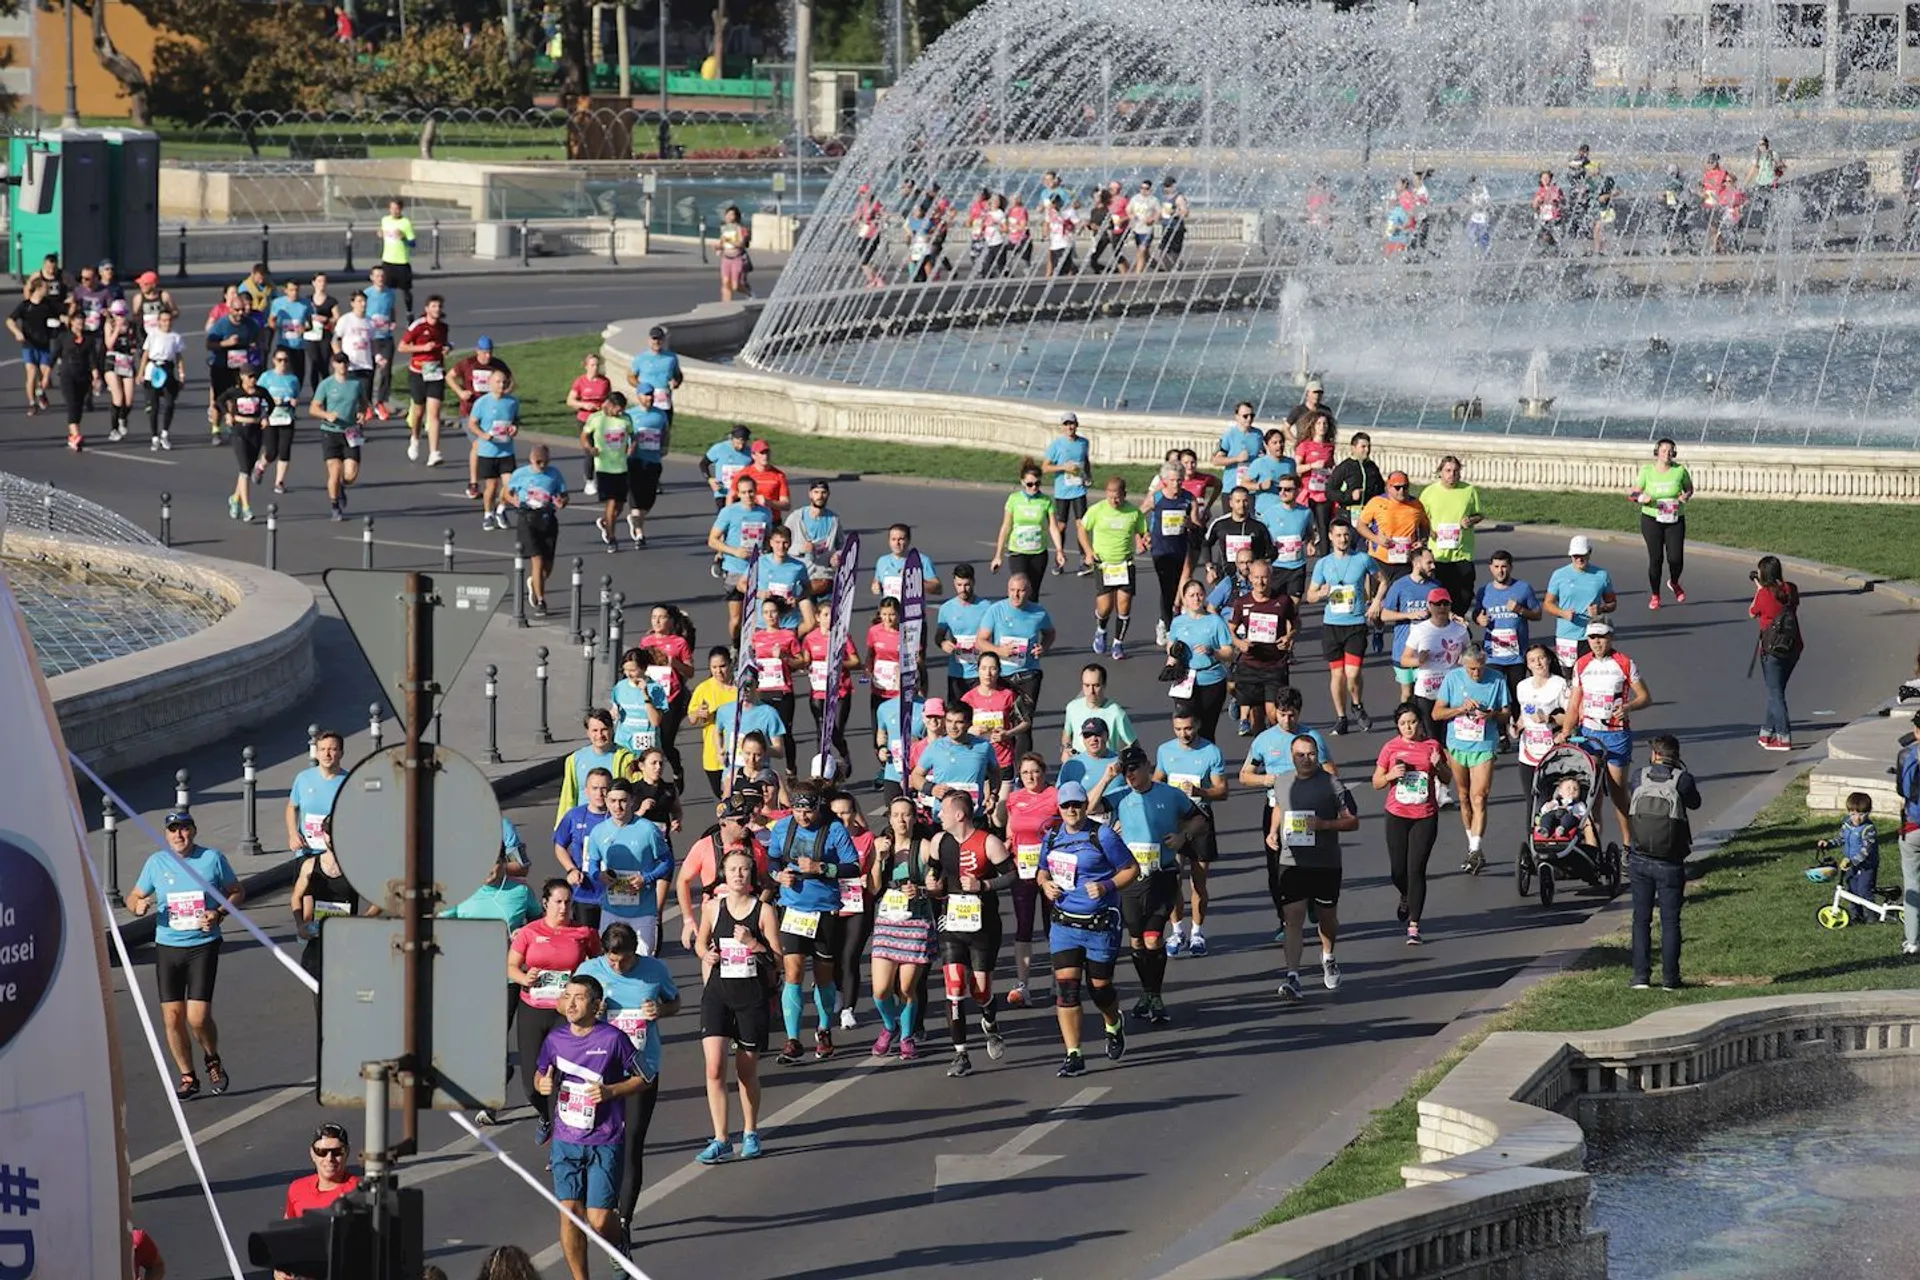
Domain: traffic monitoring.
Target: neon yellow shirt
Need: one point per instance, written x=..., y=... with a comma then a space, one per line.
x=394, y=235
x=1112, y=530
x=1447, y=512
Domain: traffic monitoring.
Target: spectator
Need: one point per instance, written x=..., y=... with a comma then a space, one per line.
x=1907, y=780
x=1776, y=604
x=1662, y=834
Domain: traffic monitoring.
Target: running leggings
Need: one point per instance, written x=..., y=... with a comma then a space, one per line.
x=1168, y=569
x=639, y=1119
x=1026, y=896
x=75, y=390
x=1409, y=845
x=1664, y=541
x=670, y=722
x=1026, y=684
x=783, y=703
x=1206, y=704
x=160, y=405
x=532, y=1033
x=819, y=706
x=1034, y=565
x=854, y=933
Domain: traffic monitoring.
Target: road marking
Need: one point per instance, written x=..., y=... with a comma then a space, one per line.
x=1010, y=1158
x=429, y=546
x=132, y=457
x=272, y=1102
x=680, y=1177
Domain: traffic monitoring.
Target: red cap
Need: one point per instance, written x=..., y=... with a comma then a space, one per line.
x=761, y=446
x=1397, y=477
x=1439, y=596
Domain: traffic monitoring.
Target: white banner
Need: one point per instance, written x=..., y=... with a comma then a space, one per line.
x=63, y=1190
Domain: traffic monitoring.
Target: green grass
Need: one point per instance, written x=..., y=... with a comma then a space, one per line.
x=1880, y=539
x=1750, y=931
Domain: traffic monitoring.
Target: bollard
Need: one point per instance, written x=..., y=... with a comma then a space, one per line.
x=493, y=714
x=110, y=825
x=540, y=679
x=182, y=796
x=366, y=544
x=183, y=251
x=703, y=238
x=273, y=535
x=166, y=519
x=606, y=603
x=525, y=245
x=249, y=794
x=616, y=632
x=446, y=550
x=313, y=744
x=586, y=656
x=266, y=258
x=349, y=266
x=613, y=240
x=573, y=611
x=436, y=244
x=519, y=590
x=374, y=724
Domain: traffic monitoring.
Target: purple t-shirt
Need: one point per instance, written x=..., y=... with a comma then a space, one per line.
x=603, y=1055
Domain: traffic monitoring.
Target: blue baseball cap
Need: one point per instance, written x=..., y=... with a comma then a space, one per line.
x=1070, y=793
x=483, y=343
x=181, y=818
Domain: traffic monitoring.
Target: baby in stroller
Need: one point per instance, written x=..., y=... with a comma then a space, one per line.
x=1565, y=816
x=1857, y=845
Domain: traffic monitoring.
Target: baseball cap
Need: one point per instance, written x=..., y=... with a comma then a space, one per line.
x=761, y=446
x=935, y=707
x=1093, y=727
x=1069, y=419
x=741, y=431
x=1133, y=757
x=181, y=818
x=644, y=389
x=1439, y=596
x=657, y=332
x=147, y=277
x=106, y=264
x=1397, y=477
x=737, y=807
x=819, y=482
x=1580, y=545
x=1314, y=384
x=483, y=343
x=1599, y=628
x=1070, y=793
x=117, y=307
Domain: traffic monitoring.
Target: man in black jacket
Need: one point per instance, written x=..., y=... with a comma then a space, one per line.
x=1357, y=480
x=1662, y=838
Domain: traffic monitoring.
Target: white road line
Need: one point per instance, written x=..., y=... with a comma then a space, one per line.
x=1080, y=1101
x=1010, y=1159
x=132, y=457
x=272, y=1102
x=458, y=550
x=693, y=1168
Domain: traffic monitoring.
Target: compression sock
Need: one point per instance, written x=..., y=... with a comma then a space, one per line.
x=1143, y=969
x=1099, y=623
x=957, y=1023
x=1156, y=974
x=888, y=1007
x=989, y=1021
x=792, y=1001
x=909, y=1016
x=1120, y=627
x=826, y=1002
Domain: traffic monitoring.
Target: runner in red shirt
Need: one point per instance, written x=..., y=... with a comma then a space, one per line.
x=814, y=644
x=330, y=1179
x=589, y=391
x=1027, y=812
x=770, y=480
x=425, y=346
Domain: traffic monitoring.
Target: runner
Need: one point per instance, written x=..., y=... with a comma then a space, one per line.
x=628, y=859
x=1303, y=838
x=810, y=854
x=1000, y=715
x=1294, y=532
x=493, y=424
x=1357, y=480
x=1605, y=690
x=77, y=367
x=425, y=346
x=585, y=397
x=289, y=316
x=1025, y=813
x=1097, y=768
x=1110, y=534
x=657, y=367
x=186, y=945
x=893, y=748
x=353, y=339
x=749, y=716
x=340, y=405
x=1236, y=532
x=281, y=386
x=957, y=761
x=777, y=655
x=1157, y=823
x=770, y=480
x=814, y=646
x=539, y=493
x=606, y=439
x=1272, y=464
x=586, y=1069
x=1406, y=602
x=1432, y=648
x=1019, y=632
x=1662, y=491
x=1239, y=445
x=243, y=412
x=469, y=378
x=1269, y=761
x=1394, y=525
x=1264, y=624
x=1084, y=868
x=310, y=798
x=883, y=655
x=816, y=538
x=856, y=906
x=331, y=1149
x=34, y=321
x=1171, y=515
x=1093, y=704
x=396, y=249
x=600, y=752
x=1502, y=609
x=956, y=630
x=889, y=569
x=1352, y=586
x=570, y=835
x=639, y=992
x=380, y=304
x=648, y=431
x=1069, y=461
x=1539, y=700
x=903, y=879
x=974, y=866
x=638, y=703
x=1200, y=645
x=120, y=346
x=732, y=241
x=739, y=950
x=1578, y=593
x=741, y=526
x=709, y=700
x=1193, y=765
x=1143, y=215
x=699, y=873
x=1470, y=698
x=781, y=579
x=1453, y=511
x=317, y=339
x=1407, y=769
x=321, y=891
x=541, y=956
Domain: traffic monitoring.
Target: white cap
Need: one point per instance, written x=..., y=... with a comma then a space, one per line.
x=1598, y=628
x=1580, y=545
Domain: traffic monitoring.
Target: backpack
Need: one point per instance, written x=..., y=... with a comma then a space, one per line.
x=1781, y=637
x=1659, y=816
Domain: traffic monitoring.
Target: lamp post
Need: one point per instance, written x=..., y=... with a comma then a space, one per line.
x=71, y=120
x=666, y=130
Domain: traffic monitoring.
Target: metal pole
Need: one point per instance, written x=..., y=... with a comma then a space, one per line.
x=573, y=614
x=525, y=246
x=703, y=239
x=606, y=604
x=166, y=520
x=436, y=244
x=446, y=550
x=540, y=680
x=586, y=656
x=613, y=240
x=519, y=590
x=71, y=120
x=616, y=632
x=375, y=724
x=249, y=797
x=373, y=1150
x=110, y=825
x=366, y=544
x=349, y=266
x=417, y=1053
x=273, y=535
x=183, y=252
x=666, y=130
x=182, y=793
x=313, y=744
x=266, y=233
x=493, y=714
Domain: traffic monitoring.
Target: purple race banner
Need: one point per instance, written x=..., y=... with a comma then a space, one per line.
x=839, y=633
x=913, y=621
x=743, y=664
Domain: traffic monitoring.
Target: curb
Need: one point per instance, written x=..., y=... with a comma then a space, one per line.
x=139, y=931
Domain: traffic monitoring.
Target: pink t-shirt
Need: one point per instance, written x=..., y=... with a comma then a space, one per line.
x=1028, y=812
x=1415, y=794
x=667, y=650
x=999, y=702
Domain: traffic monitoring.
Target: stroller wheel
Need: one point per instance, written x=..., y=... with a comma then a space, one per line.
x=1546, y=885
x=1832, y=917
x=1523, y=872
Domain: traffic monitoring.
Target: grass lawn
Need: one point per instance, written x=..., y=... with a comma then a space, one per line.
x=1750, y=930
x=497, y=143
x=1881, y=539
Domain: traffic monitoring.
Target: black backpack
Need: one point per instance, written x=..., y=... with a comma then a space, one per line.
x=1781, y=637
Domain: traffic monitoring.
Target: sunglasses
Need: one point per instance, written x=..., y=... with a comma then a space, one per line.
x=1073, y=804
x=330, y=1153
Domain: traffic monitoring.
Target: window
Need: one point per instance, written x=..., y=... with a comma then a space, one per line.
x=1800, y=26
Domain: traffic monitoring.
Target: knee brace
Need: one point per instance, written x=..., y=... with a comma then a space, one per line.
x=956, y=975
x=1066, y=993
x=982, y=986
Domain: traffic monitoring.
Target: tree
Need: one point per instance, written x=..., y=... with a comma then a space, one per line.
x=133, y=81
x=575, y=78
x=221, y=58
x=434, y=71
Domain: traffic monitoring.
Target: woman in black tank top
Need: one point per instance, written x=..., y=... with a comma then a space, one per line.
x=739, y=938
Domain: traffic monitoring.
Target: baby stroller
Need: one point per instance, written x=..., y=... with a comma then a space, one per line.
x=1552, y=857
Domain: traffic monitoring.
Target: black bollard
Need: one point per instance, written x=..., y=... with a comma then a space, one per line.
x=349, y=266
x=183, y=251
x=526, y=245
x=166, y=520
x=606, y=604
x=110, y=826
x=366, y=544
x=586, y=656
x=540, y=679
x=273, y=535
x=182, y=793
x=249, y=795
x=266, y=257
x=446, y=550
x=519, y=590
x=616, y=634
x=573, y=613
x=436, y=244
x=493, y=714
x=313, y=744
x=375, y=723
x=613, y=241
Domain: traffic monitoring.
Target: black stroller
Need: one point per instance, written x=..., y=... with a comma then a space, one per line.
x=1553, y=856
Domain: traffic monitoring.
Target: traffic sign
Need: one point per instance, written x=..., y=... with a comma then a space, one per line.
x=370, y=825
x=373, y=602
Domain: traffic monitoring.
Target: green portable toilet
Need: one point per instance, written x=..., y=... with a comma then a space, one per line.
x=60, y=205
x=133, y=204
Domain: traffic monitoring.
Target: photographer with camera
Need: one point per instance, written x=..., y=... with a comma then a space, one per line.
x=1776, y=605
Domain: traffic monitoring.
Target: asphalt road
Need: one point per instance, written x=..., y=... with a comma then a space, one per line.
x=1144, y=1150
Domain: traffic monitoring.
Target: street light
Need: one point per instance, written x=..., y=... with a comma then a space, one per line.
x=72, y=118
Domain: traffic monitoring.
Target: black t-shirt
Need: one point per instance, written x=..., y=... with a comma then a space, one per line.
x=1223, y=553
x=247, y=407
x=38, y=322
x=664, y=792
x=1300, y=413
x=1355, y=483
x=1251, y=617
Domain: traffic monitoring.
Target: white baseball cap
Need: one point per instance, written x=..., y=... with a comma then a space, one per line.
x=1580, y=545
x=1597, y=628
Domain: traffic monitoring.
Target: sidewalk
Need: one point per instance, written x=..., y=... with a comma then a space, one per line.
x=669, y=253
x=341, y=701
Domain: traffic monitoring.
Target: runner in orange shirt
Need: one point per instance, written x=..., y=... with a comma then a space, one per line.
x=770, y=480
x=1394, y=525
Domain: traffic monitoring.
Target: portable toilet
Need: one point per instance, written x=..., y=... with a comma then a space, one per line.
x=61, y=204
x=133, y=206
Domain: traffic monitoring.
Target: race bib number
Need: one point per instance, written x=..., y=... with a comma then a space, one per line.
x=1399, y=550
x=1317, y=483
x=327, y=910
x=1470, y=726
x=736, y=959
x=1567, y=649
x=647, y=439
x=1185, y=782
x=1412, y=788
x=1181, y=688
x=1340, y=599
x=537, y=499
x=773, y=675
x=547, y=986
x=1017, y=648
x=853, y=897
x=1503, y=642
x=963, y=913
x=355, y=437
x=382, y=325
x=1535, y=741
x=623, y=891
x=1236, y=543
x=1602, y=710
x=1064, y=870
x=316, y=331
x=1667, y=510
x=1295, y=829
x=1242, y=479
x=966, y=643
x=122, y=365
x=630, y=1022
x=801, y=924
x=1173, y=523
x=660, y=675
x=503, y=430
x=662, y=399
x=238, y=357
x=817, y=675
x=186, y=909
x=1116, y=575
x=1426, y=684
x=727, y=474
x=890, y=586
x=1263, y=628
x=292, y=331
x=576, y=1106
x=310, y=827
x=894, y=908
x=1026, y=861
x=886, y=674
x=986, y=722
x=752, y=535
x=781, y=591
x=1446, y=537
x=1288, y=546
x=1147, y=855
x=1027, y=540
x=433, y=371
x=281, y=415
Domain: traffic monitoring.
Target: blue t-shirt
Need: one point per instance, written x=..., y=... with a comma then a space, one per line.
x=1086, y=769
x=1223, y=591
x=380, y=310
x=1146, y=819
x=1023, y=627
x=789, y=841
x=1289, y=525
x=1168, y=524
x=493, y=414
x=575, y=826
x=962, y=763
x=1202, y=635
x=1244, y=443
x=537, y=488
x=1098, y=855
x=634, y=729
x=656, y=369
x=344, y=397
x=961, y=619
x=634, y=848
x=228, y=326
x=1199, y=765
x=726, y=463
x=1060, y=452
x=1473, y=732
x=283, y=387
x=741, y=526
x=511, y=903
x=1404, y=595
x=788, y=577
x=312, y=794
x=1579, y=591
x=889, y=569
x=1506, y=636
x=758, y=718
x=626, y=993
x=1351, y=579
x=1269, y=470
x=648, y=435
x=289, y=317
x=178, y=897
x=889, y=722
x=1272, y=751
x=586, y=760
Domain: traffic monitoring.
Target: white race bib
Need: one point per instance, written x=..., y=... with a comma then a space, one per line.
x=1446, y=537
x=894, y=908
x=1173, y=523
x=1263, y=628
x=886, y=674
x=238, y=357
x=1667, y=511
x=281, y=415
x=1064, y=870
x=801, y=924
x=1341, y=598
x=817, y=675
x=1567, y=649
x=1426, y=684
x=1016, y=647
x=853, y=897
x=1236, y=543
x=736, y=959
x=1026, y=860
x=186, y=909
x=576, y=1108
x=1412, y=788
x=1181, y=688
x=1287, y=546
x=1116, y=575
x=635, y=1026
x=1295, y=831
x=1147, y=855
x=1503, y=641
x=327, y=910
x=1470, y=726
x=434, y=371
x=986, y=722
x=890, y=586
x=963, y=913
x=1535, y=741
x=1186, y=782
x=618, y=895
x=547, y=986
x=1026, y=539
x=773, y=674
x=1399, y=550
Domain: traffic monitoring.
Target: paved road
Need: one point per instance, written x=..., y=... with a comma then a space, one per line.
x=848, y=1188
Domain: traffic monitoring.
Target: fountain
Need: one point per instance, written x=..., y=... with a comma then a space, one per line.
x=1284, y=128
x=1532, y=403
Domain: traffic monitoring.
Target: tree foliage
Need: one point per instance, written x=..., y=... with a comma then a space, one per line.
x=217, y=56
x=433, y=70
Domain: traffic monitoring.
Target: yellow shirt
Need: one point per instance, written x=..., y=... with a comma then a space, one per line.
x=711, y=695
x=394, y=234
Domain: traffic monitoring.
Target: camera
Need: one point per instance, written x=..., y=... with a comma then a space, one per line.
x=1753, y=575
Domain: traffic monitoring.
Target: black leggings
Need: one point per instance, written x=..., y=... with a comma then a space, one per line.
x=783, y=703
x=1026, y=684
x=1034, y=565
x=1205, y=705
x=819, y=706
x=531, y=1031
x=75, y=390
x=854, y=933
x=1168, y=569
x=160, y=405
x=318, y=363
x=639, y=1119
x=1664, y=541
x=1322, y=512
x=670, y=722
x=1026, y=897
x=1409, y=845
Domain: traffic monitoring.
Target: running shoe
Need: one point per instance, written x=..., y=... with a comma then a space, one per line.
x=485, y=1118
x=259, y=470
x=1157, y=1011
x=962, y=1065
x=1765, y=740
x=592, y=489
x=1360, y=714
x=473, y=492
x=1142, y=1007
x=1445, y=793
x=1100, y=643
x=1197, y=944
x=1342, y=726
x=413, y=449
x=715, y=1152
x=791, y=1054
x=1679, y=593
x=1401, y=913
x=153, y=445
x=1086, y=568
x=486, y=523
x=1075, y=1065
x=1330, y=973
x=246, y=513
x=233, y=513
x=338, y=514
x=1640, y=986
x=1245, y=725
x=1159, y=635
x=822, y=1044
x=166, y=441
x=847, y=1021
x=996, y=1044
x=1779, y=744
x=189, y=1087
x=433, y=457
x=1474, y=863
x=118, y=434
x=1413, y=934
x=543, y=1132
x=882, y=1043
x=279, y=486
x=1280, y=936
x=1910, y=948
x=1291, y=991
x=600, y=523
x=908, y=1049
x=633, y=526
x=1176, y=943
x=749, y=1145
x=1018, y=997
x=1116, y=1041
x=1653, y=601
x=1119, y=652
x=381, y=411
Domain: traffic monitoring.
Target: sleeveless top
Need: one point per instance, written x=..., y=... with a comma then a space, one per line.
x=739, y=993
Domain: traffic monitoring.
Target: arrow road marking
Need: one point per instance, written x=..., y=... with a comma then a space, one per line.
x=1010, y=1158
